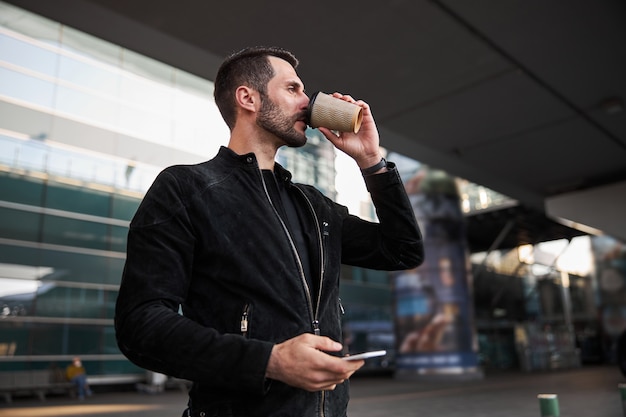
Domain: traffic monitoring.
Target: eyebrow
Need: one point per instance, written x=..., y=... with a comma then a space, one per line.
x=294, y=83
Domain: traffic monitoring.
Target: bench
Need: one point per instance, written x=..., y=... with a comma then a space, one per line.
x=37, y=382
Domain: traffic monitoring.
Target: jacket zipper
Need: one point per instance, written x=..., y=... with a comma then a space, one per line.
x=307, y=291
x=321, y=236
x=321, y=240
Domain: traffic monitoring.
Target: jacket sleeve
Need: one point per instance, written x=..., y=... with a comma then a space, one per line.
x=395, y=243
x=150, y=331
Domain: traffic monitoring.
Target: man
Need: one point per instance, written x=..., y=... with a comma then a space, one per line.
x=76, y=374
x=232, y=273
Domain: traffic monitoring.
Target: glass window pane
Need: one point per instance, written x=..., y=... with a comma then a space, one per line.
x=28, y=56
x=11, y=254
x=9, y=150
x=14, y=339
x=71, y=232
x=77, y=199
x=141, y=178
x=124, y=207
x=88, y=106
x=147, y=67
x=55, y=301
x=90, y=47
x=29, y=24
x=193, y=84
x=18, y=224
x=32, y=155
x=27, y=121
x=147, y=95
x=21, y=189
x=115, y=268
x=87, y=74
x=118, y=238
x=65, y=265
x=27, y=88
x=77, y=267
x=46, y=339
x=146, y=124
x=87, y=339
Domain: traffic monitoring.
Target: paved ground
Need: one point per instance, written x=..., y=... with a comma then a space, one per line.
x=585, y=392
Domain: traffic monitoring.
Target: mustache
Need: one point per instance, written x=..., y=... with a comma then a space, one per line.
x=303, y=116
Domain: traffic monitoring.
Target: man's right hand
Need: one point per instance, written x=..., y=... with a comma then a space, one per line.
x=302, y=362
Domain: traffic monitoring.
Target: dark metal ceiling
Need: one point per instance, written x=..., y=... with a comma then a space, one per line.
x=522, y=96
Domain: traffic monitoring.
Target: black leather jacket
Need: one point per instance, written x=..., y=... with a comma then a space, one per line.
x=207, y=239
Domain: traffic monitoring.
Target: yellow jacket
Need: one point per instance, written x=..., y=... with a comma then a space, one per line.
x=71, y=371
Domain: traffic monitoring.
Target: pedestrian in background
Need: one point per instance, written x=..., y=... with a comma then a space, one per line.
x=75, y=373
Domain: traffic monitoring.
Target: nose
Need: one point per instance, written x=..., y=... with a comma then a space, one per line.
x=303, y=108
x=305, y=100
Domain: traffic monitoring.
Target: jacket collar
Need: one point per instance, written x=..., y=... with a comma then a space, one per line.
x=249, y=159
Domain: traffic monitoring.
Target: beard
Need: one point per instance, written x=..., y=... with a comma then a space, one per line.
x=273, y=120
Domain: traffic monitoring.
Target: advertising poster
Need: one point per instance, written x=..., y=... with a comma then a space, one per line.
x=610, y=264
x=433, y=309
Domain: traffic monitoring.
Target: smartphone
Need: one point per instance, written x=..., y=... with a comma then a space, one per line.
x=364, y=355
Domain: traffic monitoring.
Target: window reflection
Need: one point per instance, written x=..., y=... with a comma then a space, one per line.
x=33, y=155
x=86, y=106
x=27, y=55
x=88, y=74
x=144, y=123
x=125, y=93
x=146, y=95
x=29, y=291
x=26, y=88
x=20, y=284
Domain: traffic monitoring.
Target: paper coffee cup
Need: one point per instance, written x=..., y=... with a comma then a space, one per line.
x=333, y=113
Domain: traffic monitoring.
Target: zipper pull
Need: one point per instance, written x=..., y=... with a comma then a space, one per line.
x=343, y=312
x=325, y=229
x=244, y=321
x=316, y=327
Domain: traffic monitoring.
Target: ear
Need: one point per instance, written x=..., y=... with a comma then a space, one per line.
x=247, y=98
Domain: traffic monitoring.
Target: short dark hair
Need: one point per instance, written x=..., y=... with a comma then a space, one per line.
x=249, y=67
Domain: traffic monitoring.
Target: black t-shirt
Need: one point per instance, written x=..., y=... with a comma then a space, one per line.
x=285, y=205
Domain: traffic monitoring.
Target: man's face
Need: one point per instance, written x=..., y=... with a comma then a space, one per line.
x=283, y=108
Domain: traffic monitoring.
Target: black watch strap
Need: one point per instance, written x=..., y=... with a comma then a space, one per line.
x=374, y=168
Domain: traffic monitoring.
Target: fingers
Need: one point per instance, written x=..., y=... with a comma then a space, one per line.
x=303, y=362
x=321, y=342
x=362, y=146
x=336, y=371
x=350, y=99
